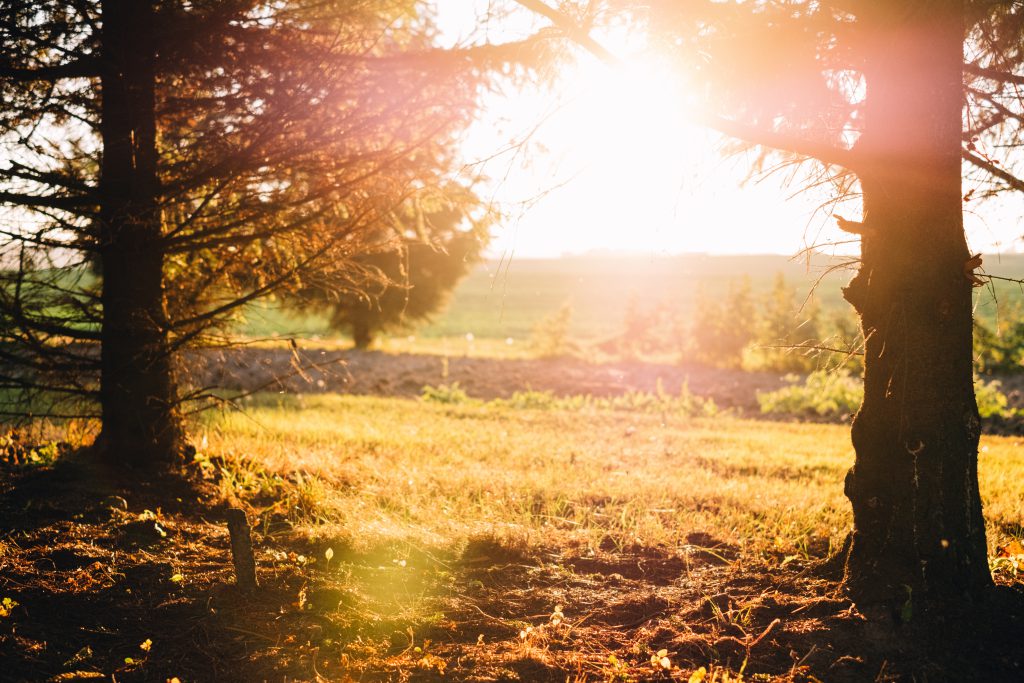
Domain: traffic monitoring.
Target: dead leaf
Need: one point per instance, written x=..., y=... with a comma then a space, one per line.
x=1012, y=548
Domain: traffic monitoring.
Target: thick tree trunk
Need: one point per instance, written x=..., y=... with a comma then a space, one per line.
x=141, y=425
x=918, y=527
x=362, y=336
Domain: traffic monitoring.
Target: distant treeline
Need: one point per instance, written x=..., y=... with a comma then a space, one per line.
x=772, y=330
x=779, y=314
x=782, y=331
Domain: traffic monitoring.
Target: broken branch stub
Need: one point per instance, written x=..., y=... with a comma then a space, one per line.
x=241, y=549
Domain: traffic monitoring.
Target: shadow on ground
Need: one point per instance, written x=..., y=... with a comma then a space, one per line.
x=113, y=578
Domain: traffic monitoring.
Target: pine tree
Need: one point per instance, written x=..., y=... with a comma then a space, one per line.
x=405, y=286
x=875, y=93
x=722, y=330
x=788, y=331
x=885, y=101
x=170, y=162
x=739, y=316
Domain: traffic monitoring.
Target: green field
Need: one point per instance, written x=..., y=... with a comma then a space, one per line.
x=506, y=299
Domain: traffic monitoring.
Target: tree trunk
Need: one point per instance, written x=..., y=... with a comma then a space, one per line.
x=362, y=336
x=138, y=396
x=918, y=527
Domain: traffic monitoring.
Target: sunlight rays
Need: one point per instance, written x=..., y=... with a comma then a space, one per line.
x=608, y=162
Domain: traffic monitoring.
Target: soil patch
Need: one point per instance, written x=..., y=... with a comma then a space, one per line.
x=374, y=373
x=110, y=578
x=405, y=375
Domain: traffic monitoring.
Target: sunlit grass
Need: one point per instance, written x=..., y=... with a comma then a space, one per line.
x=388, y=471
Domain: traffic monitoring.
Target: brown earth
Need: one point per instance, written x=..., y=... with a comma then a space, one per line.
x=111, y=576
x=118, y=579
x=405, y=375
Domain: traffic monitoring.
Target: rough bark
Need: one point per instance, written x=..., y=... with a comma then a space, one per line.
x=918, y=527
x=138, y=396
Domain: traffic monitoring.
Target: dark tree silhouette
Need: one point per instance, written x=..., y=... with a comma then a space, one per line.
x=436, y=248
x=165, y=163
x=899, y=101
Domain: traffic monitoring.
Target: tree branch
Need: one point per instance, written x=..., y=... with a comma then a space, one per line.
x=64, y=180
x=823, y=152
x=994, y=74
x=571, y=30
x=52, y=202
x=1001, y=173
x=84, y=67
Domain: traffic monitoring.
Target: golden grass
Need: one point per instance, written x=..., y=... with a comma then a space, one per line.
x=391, y=471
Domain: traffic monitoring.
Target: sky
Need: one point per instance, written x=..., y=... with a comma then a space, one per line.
x=609, y=164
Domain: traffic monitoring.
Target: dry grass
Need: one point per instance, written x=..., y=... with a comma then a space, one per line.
x=391, y=471
x=478, y=542
x=404, y=540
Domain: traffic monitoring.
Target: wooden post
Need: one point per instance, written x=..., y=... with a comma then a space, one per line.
x=241, y=549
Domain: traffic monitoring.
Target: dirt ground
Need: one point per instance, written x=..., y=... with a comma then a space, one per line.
x=119, y=580
x=405, y=375
x=107, y=576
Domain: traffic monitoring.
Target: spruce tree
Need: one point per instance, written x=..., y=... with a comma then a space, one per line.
x=168, y=162
x=434, y=248
x=896, y=103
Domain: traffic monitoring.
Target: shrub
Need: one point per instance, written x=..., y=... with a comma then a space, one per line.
x=550, y=336
x=1000, y=348
x=450, y=394
x=656, y=330
x=992, y=402
x=723, y=329
x=830, y=394
x=822, y=393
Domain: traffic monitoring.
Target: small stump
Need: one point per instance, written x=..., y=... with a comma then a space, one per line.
x=241, y=549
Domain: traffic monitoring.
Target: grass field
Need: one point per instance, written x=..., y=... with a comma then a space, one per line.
x=452, y=539
x=392, y=471
x=484, y=542
x=506, y=299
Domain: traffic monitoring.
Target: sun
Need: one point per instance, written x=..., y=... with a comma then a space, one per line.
x=605, y=159
x=625, y=139
x=630, y=121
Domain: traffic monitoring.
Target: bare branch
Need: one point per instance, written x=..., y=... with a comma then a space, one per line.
x=999, y=172
x=571, y=30
x=47, y=201
x=994, y=74
x=84, y=67
x=828, y=154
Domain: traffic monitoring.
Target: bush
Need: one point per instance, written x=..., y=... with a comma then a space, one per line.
x=992, y=402
x=1000, y=348
x=832, y=394
x=449, y=394
x=822, y=393
x=723, y=329
x=656, y=330
x=550, y=336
